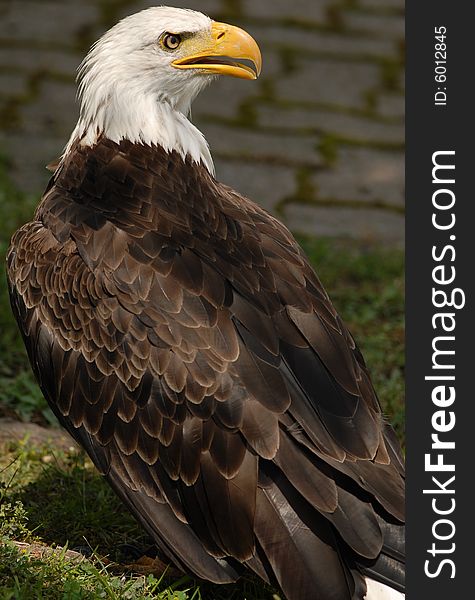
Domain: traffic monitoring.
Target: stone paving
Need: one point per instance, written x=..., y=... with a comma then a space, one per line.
x=318, y=140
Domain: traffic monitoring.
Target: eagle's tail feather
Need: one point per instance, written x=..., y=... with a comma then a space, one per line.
x=389, y=569
x=301, y=549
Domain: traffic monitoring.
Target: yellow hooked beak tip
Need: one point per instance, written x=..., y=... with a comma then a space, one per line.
x=230, y=46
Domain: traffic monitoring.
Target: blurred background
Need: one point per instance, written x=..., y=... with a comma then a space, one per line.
x=318, y=140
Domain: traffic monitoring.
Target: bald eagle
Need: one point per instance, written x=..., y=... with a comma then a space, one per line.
x=181, y=336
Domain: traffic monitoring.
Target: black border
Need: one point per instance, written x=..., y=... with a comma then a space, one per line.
x=430, y=129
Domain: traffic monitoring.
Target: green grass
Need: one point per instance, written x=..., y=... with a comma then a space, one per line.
x=57, y=578
x=58, y=499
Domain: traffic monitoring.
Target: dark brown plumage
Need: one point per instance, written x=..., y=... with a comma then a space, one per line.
x=182, y=338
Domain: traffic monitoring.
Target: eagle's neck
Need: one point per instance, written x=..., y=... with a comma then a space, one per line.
x=140, y=118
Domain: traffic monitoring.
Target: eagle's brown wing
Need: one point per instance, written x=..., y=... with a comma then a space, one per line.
x=182, y=338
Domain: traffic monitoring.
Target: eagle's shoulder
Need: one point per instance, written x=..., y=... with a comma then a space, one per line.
x=180, y=334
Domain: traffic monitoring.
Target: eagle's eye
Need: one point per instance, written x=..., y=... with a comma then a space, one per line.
x=171, y=41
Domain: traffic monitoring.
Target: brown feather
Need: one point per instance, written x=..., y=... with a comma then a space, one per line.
x=318, y=489
x=181, y=336
x=302, y=561
x=261, y=429
x=228, y=451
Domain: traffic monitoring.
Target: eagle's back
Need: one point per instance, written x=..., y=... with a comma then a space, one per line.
x=180, y=335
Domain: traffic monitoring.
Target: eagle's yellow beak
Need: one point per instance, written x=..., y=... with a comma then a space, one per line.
x=229, y=45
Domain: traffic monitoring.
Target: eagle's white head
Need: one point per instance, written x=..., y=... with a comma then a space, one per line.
x=139, y=80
